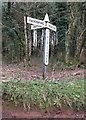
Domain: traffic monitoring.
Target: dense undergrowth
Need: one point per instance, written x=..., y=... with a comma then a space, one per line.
x=42, y=94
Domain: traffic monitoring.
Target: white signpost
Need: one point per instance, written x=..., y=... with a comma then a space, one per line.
x=48, y=25
x=33, y=27
x=35, y=21
x=46, y=57
x=52, y=27
x=35, y=38
x=37, y=24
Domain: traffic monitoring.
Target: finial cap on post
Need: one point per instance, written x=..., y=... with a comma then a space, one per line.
x=46, y=19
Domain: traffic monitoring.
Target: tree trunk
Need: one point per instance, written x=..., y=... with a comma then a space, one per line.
x=29, y=32
x=70, y=32
x=42, y=37
x=82, y=32
x=26, y=38
x=29, y=42
x=80, y=43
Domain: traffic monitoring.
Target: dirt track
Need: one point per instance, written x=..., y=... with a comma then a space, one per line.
x=10, y=72
x=10, y=111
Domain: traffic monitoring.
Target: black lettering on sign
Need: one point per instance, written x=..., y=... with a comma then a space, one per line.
x=36, y=21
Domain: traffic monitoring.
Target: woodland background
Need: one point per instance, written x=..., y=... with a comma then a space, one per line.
x=69, y=46
x=62, y=93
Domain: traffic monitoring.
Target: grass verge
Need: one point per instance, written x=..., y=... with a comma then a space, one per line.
x=45, y=94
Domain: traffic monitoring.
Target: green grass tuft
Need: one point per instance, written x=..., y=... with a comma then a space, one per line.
x=45, y=94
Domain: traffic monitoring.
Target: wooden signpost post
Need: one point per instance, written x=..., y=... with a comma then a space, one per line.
x=38, y=24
